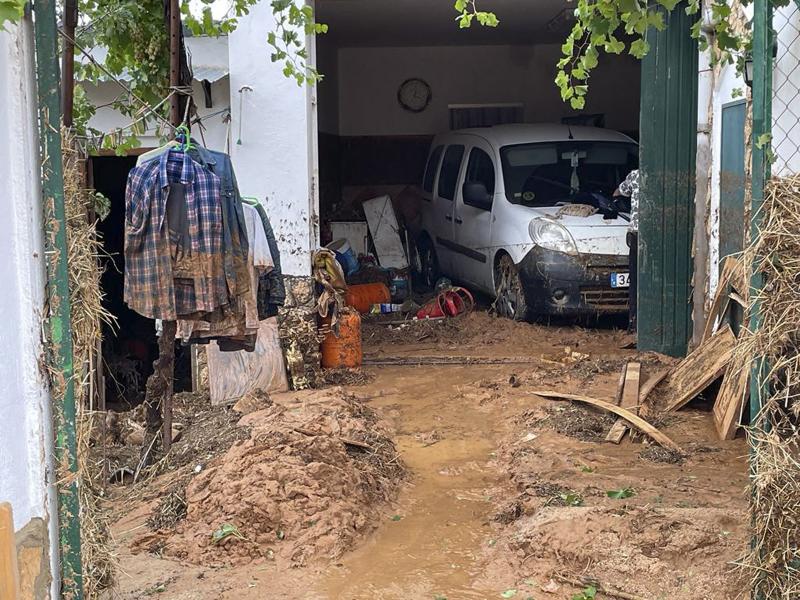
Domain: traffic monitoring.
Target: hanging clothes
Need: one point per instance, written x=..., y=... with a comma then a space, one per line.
x=237, y=328
x=174, y=266
x=271, y=289
x=234, y=227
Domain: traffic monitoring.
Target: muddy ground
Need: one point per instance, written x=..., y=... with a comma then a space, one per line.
x=441, y=481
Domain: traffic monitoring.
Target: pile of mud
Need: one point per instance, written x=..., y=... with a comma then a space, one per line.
x=676, y=553
x=315, y=474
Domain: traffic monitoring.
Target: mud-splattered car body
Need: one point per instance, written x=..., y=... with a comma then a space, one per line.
x=526, y=212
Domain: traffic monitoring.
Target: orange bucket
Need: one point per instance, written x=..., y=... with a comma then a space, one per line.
x=363, y=296
x=345, y=350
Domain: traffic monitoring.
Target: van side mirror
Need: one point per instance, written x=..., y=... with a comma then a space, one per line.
x=475, y=194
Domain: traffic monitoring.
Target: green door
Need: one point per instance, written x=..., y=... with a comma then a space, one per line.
x=731, y=180
x=666, y=207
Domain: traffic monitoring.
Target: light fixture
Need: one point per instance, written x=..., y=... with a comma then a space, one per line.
x=748, y=60
x=748, y=69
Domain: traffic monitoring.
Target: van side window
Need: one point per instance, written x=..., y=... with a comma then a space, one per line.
x=480, y=169
x=448, y=178
x=430, y=169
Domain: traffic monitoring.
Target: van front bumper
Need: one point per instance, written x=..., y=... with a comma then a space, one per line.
x=559, y=284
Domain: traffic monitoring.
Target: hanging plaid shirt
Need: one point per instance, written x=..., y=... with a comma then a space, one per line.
x=173, y=269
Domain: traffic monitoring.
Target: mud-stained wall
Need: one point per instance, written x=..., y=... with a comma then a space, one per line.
x=275, y=154
x=25, y=434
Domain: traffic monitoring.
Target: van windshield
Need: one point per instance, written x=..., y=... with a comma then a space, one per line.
x=546, y=174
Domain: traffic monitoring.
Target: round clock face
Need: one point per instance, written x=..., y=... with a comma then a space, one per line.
x=414, y=95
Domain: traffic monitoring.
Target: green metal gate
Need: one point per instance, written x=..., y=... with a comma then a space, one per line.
x=667, y=162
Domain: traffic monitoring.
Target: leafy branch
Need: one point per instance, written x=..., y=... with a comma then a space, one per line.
x=617, y=26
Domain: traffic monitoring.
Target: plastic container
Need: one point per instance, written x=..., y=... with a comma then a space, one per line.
x=345, y=350
x=345, y=255
x=362, y=297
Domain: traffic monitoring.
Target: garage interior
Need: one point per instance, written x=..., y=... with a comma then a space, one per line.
x=370, y=145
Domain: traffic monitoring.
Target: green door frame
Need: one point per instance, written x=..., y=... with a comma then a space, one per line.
x=668, y=150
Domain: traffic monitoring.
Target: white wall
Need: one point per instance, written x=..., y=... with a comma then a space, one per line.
x=275, y=158
x=369, y=79
x=25, y=427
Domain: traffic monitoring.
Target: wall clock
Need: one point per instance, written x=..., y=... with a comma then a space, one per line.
x=414, y=95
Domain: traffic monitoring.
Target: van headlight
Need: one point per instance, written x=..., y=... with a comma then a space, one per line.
x=550, y=235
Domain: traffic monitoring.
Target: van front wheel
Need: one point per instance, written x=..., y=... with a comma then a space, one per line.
x=511, y=301
x=428, y=264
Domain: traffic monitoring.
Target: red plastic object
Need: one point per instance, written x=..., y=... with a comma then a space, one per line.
x=449, y=303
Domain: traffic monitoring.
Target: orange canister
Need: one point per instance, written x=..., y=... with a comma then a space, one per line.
x=343, y=350
x=363, y=296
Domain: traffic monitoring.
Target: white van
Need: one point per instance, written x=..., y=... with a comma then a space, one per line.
x=525, y=213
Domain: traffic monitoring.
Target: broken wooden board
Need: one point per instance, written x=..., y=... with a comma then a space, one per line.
x=651, y=384
x=631, y=418
x=385, y=233
x=9, y=573
x=731, y=399
x=732, y=276
x=630, y=401
x=698, y=370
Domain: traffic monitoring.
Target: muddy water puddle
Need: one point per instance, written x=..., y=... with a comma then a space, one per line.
x=435, y=542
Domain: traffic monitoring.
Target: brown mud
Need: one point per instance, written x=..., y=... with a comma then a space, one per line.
x=506, y=493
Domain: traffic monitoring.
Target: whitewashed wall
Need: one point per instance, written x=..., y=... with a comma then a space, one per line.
x=276, y=157
x=26, y=475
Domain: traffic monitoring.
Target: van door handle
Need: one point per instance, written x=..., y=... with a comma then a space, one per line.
x=459, y=221
x=448, y=217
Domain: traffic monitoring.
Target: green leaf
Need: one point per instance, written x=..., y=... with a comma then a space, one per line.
x=577, y=102
x=639, y=48
x=669, y=4
x=763, y=140
x=621, y=494
x=11, y=11
x=508, y=594
x=397, y=518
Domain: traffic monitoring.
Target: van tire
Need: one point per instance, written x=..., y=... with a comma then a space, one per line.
x=427, y=263
x=511, y=300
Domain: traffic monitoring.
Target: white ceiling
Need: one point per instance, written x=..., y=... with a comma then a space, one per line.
x=432, y=22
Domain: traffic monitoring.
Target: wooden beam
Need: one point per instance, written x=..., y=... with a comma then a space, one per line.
x=9, y=573
x=631, y=418
x=630, y=401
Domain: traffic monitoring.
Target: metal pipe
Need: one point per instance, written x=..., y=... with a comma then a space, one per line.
x=58, y=318
x=68, y=61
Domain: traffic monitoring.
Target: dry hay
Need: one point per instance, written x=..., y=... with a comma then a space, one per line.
x=775, y=506
x=87, y=317
x=315, y=474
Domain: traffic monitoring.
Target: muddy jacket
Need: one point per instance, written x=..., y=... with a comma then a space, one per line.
x=233, y=224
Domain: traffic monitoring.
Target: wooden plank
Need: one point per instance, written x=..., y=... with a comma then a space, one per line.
x=630, y=400
x=731, y=269
x=731, y=399
x=651, y=384
x=9, y=573
x=698, y=370
x=631, y=418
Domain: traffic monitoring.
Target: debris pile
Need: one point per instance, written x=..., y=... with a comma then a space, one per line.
x=775, y=346
x=313, y=476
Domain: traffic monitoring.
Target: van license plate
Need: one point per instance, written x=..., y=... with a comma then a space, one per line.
x=620, y=280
